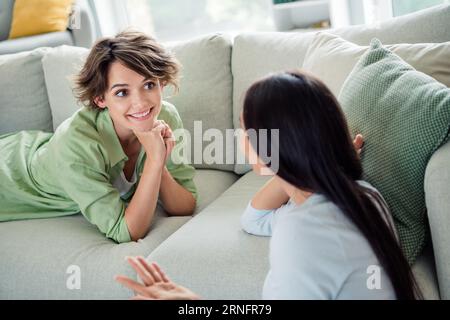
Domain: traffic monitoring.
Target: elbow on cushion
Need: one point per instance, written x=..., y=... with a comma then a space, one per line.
x=247, y=225
x=120, y=233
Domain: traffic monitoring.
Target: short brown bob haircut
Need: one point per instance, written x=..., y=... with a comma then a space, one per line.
x=135, y=50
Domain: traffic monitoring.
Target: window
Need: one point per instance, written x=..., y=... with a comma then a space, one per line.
x=173, y=20
x=401, y=7
x=375, y=11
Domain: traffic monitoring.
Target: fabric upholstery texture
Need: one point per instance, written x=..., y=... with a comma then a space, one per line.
x=404, y=116
x=23, y=103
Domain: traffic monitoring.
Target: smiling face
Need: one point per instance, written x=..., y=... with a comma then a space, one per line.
x=133, y=101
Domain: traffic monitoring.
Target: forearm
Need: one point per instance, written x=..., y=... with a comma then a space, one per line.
x=270, y=196
x=176, y=199
x=140, y=211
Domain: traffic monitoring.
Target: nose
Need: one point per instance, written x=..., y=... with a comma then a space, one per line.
x=137, y=101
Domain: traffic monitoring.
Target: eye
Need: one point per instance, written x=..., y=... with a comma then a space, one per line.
x=121, y=93
x=149, y=85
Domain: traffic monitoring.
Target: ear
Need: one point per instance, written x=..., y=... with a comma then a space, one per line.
x=100, y=102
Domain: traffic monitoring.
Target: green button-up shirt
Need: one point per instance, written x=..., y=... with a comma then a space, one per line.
x=46, y=175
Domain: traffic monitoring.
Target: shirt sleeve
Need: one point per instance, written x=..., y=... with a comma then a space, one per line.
x=97, y=199
x=306, y=262
x=257, y=222
x=178, y=163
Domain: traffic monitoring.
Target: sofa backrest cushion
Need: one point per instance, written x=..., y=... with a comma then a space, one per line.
x=23, y=102
x=6, y=10
x=60, y=65
x=206, y=95
x=257, y=54
x=331, y=59
x=428, y=25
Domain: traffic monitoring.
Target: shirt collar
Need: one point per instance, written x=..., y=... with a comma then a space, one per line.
x=109, y=136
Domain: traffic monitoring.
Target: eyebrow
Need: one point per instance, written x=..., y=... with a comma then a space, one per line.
x=118, y=85
x=126, y=85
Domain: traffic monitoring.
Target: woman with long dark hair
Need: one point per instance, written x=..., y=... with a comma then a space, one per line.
x=332, y=233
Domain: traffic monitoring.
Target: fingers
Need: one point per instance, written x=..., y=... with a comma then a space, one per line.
x=160, y=128
x=167, y=131
x=170, y=144
x=145, y=276
x=160, y=272
x=155, y=275
x=131, y=284
x=157, y=123
x=358, y=141
x=165, y=127
x=141, y=297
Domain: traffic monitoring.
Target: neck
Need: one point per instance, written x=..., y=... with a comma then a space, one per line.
x=298, y=195
x=127, y=141
x=126, y=137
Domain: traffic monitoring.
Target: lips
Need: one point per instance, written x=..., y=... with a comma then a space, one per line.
x=141, y=115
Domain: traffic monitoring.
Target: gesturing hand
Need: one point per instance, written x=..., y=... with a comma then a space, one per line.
x=157, y=286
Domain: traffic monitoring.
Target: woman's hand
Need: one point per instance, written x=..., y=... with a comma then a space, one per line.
x=157, y=286
x=153, y=143
x=169, y=139
x=358, y=143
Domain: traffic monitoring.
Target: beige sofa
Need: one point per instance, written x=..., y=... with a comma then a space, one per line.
x=207, y=252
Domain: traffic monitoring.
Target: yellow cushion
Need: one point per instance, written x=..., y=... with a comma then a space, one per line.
x=31, y=17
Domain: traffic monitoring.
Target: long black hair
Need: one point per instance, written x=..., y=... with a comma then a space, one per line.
x=316, y=154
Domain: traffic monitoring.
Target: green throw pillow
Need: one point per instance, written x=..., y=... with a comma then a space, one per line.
x=404, y=116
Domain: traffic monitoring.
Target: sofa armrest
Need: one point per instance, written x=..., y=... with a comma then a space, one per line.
x=86, y=34
x=437, y=197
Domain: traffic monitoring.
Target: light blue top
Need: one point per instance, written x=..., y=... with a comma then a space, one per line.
x=316, y=252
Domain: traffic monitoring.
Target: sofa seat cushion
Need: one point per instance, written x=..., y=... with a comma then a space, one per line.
x=424, y=270
x=40, y=252
x=220, y=261
x=437, y=182
x=211, y=184
x=224, y=262
x=52, y=39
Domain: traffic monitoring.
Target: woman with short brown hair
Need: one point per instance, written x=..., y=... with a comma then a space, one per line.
x=111, y=160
